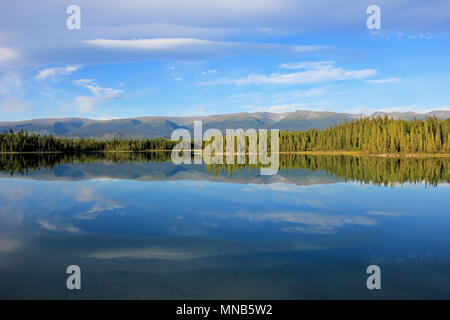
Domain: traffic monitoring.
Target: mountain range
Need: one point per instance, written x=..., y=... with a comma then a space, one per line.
x=151, y=127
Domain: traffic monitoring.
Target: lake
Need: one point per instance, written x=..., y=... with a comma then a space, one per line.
x=140, y=227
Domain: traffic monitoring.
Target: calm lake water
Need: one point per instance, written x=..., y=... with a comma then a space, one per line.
x=141, y=227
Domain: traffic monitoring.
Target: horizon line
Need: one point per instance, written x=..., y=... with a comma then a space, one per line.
x=232, y=113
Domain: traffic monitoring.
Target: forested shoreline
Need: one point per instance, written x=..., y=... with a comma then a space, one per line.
x=376, y=170
x=374, y=136
x=23, y=142
x=366, y=136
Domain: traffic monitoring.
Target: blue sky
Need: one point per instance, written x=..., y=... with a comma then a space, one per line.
x=141, y=58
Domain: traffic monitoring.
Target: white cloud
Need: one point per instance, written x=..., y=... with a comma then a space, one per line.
x=88, y=103
x=202, y=19
x=99, y=207
x=152, y=253
x=186, y=48
x=148, y=44
x=104, y=93
x=7, y=54
x=308, y=65
x=300, y=49
x=309, y=222
x=384, y=213
x=315, y=72
x=87, y=194
x=310, y=229
x=204, y=73
x=54, y=72
x=381, y=81
x=57, y=227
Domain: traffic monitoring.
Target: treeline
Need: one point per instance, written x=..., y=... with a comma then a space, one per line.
x=376, y=170
x=23, y=164
x=25, y=142
x=375, y=136
x=368, y=135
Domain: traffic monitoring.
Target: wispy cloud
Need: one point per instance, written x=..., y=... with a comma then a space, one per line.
x=381, y=81
x=87, y=194
x=57, y=227
x=55, y=72
x=142, y=20
x=308, y=65
x=189, y=48
x=384, y=213
x=213, y=71
x=302, y=49
x=91, y=84
x=309, y=222
x=152, y=253
x=8, y=54
x=395, y=35
x=315, y=72
x=148, y=44
x=87, y=103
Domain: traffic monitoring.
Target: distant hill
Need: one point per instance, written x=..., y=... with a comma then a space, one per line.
x=146, y=127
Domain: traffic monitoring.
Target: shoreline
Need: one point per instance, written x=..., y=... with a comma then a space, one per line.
x=363, y=154
x=324, y=153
